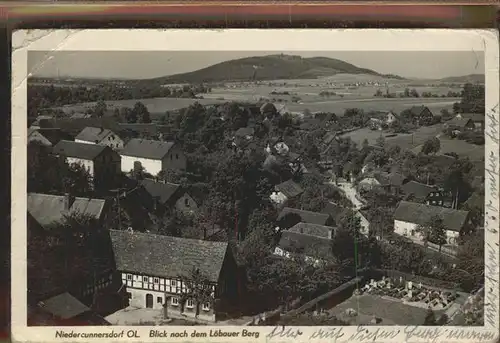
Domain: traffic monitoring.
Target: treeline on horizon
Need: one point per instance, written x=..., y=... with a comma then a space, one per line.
x=48, y=96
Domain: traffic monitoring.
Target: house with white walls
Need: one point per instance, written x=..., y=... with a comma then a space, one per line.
x=152, y=156
x=100, y=161
x=171, y=273
x=100, y=136
x=409, y=215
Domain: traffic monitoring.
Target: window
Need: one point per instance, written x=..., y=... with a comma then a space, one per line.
x=129, y=276
x=206, y=307
x=190, y=303
x=156, y=280
x=145, y=279
x=175, y=301
x=176, y=156
x=167, y=282
x=186, y=202
x=171, y=158
x=159, y=300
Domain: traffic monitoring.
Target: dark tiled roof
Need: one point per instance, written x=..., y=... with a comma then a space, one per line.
x=313, y=230
x=244, y=131
x=306, y=216
x=417, y=110
x=63, y=306
x=167, y=256
x=289, y=188
x=419, y=190
x=78, y=150
x=476, y=117
x=333, y=210
x=392, y=179
x=55, y=135
x=93, y=134
x=159, y=189
x=458, y=122
x=310, y=124
x=420, y=214
x=301, y=243
x=147, y=148
x=47, y=209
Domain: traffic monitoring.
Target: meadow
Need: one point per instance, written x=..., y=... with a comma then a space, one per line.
x=344, y=91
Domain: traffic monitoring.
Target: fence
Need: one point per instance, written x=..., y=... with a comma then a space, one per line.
x=327, y=300
x=444, y=250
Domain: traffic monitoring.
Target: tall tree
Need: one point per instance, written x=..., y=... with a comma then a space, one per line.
x=100, y=109
x=431, y=146
x=433, y=231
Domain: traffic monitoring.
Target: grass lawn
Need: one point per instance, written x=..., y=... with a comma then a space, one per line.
x=391, y=312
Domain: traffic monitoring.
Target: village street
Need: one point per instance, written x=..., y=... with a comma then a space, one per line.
x=350, y=191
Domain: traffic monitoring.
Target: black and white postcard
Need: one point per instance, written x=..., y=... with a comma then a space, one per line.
x=255, y=186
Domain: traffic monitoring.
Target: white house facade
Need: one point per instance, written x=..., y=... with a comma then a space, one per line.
x=100, y=136
x=157, y=292
x=408, y=216
x=156, y=272
x=152, y=156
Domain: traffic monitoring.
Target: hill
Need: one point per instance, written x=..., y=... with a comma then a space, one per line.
x=272, y=67
x=472, y=78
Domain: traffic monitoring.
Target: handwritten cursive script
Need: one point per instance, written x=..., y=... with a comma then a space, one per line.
x=429, y=334
x=367, y=334
x=284, y=332
x=331, y=334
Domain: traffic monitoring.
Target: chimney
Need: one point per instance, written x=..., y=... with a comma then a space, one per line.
x=68, y=201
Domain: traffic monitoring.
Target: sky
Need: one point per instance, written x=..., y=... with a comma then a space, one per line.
x=150, y=64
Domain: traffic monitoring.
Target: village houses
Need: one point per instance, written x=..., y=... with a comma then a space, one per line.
x=421, y=115
x=100, y=161
x=381, y=120
x=152, y=156
x=312, y=240
x=422, y=193
x=99, y=136
x=159, y=272
x=286, y=191
x=309, y=217
x=408, y=216
x=45, y=211
x=170, y=196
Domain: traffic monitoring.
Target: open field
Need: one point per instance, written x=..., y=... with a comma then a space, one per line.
x=404, y=140
x=346, y=91
x=460, y=147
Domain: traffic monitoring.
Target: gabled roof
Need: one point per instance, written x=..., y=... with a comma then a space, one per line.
x=321, y=231
x=164, y=191
x=392, y=179
x=289, y=188
x=244, y=131
x=48, y=209
x=93, y=134
x=306, y=216
x=417, y=110
x=78, y=150
x=301, y=243
x=458, y=122
x=63, y=306
x=475, y=117
x=166, y=256
x=421, y=213
x=420, y=190
x=147, y=148
x=333, y=210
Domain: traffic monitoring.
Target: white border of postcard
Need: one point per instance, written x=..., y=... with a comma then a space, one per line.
x=258, y=40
